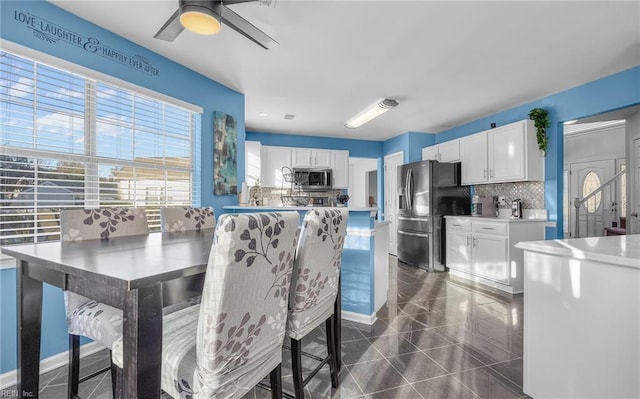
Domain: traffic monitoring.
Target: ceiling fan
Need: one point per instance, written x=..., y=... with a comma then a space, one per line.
x=205, y=17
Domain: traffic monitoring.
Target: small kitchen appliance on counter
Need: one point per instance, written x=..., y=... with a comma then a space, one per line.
x=484, y=206
x=516, y=209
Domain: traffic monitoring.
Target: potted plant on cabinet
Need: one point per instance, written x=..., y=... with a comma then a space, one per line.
x=540, y=118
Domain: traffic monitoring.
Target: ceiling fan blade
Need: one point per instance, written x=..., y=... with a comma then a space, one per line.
x=236, y=1
x=171, y=29
x=244, y=27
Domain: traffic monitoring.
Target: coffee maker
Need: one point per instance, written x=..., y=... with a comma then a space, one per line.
x=516, y=209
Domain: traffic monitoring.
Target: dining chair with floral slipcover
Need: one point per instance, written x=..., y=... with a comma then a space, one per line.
x=185, y=218
x=314, y=288
x=86, y=317
x=225, y=346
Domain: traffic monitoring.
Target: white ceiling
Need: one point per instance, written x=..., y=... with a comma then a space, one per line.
x=447, y=62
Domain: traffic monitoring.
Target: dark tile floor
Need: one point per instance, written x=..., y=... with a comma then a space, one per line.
x=437, y=337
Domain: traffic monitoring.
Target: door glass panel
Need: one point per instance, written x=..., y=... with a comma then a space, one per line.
x=591, y=182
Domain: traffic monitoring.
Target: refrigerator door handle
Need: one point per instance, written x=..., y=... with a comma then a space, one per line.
x=405, y=233
x=407, y=189
x=413, y=219
x=410, y=187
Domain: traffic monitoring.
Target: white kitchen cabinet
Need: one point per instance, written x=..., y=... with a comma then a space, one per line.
x=474, y=156
x=273, y=159
x=445, y=152
x=430, y=153
x=340, y=166
x=310, y=158
x=459, y=245
x=505, y=154
x=483, y=249
x=252, y=162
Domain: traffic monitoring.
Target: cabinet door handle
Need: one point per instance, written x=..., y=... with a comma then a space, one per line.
x=491, y=172
x=456, y=225
x=484, y=173
x=475, y=242
x=468, y=239
x=488, y=228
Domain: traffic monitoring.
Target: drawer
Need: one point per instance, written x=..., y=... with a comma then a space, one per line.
x=458, y=224
x=492, y=228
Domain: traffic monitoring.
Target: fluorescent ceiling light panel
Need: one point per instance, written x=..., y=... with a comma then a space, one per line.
x=371, y=112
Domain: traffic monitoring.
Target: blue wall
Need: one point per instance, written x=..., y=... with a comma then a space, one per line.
x=356, y=148
x=173, y=80
x=613, y=92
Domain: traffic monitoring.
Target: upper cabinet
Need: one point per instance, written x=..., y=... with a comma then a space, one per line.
x=445, y=152
x=505, y=154
x=310, y=158
x=273, y=160
x=252, y=162
x=473, y=155
x=340, y=167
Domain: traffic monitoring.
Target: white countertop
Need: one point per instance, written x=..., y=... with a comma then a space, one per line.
x=295, y=208
x=495, y=219
x=617, y=250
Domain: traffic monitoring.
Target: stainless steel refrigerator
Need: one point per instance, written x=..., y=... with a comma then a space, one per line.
x=427, y=191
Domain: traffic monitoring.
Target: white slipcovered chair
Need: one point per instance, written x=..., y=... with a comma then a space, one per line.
x=226, y=345
x=183, y=218
x=87, y=317
x=314, y=288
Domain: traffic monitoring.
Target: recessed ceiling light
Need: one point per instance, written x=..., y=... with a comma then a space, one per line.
x=289, y=116
x=263, y=114
x=571, y=122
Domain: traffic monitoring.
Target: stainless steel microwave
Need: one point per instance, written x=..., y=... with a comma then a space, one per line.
x=313, y=179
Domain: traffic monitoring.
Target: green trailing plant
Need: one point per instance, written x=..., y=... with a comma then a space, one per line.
x=540, y=118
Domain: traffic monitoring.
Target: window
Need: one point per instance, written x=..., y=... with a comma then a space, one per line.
x=590, y=183
x=623, y=192
x=70, y=141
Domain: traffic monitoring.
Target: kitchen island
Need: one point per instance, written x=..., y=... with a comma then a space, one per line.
x=365, y=260
x=582, y=317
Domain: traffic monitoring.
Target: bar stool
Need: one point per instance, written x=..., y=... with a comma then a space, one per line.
x=223, y=347
x=85, y=317
x=314, y=289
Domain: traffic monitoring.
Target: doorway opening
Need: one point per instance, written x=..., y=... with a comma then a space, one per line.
x=595, y=173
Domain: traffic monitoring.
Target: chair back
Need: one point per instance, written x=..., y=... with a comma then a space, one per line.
x=183, y=218
x=243, y=312
x=102, y=223
x=316, y=272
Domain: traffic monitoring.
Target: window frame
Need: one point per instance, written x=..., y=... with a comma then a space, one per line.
x=92, y=162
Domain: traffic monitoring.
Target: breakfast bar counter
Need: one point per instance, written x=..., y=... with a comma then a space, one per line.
x=582, y=317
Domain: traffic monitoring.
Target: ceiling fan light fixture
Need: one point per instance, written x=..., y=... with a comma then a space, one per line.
x=198, y=19
x=371, y=112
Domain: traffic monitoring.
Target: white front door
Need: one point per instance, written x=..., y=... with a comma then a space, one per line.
x=598, y=212
x=391, y=163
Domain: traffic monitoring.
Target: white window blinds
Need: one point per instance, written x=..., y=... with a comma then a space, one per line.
x=69, y=141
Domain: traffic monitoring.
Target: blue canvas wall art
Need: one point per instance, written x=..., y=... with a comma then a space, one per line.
x=225, y=154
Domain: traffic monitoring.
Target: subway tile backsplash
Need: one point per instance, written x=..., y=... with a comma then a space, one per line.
x=531, y=193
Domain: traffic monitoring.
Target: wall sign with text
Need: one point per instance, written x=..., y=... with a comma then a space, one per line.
x=53, y=33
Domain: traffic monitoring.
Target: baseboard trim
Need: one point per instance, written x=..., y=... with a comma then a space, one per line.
x=10, y=378
x=359, y=317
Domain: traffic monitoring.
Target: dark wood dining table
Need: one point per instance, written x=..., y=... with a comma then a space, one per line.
x=138, y=274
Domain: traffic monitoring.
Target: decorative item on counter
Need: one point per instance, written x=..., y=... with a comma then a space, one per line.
x=341, y=199
x=255, y=194
x=540, y=118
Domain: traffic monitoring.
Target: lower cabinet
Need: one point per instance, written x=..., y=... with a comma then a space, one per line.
x=483, y=250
